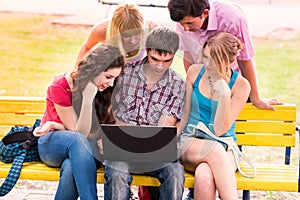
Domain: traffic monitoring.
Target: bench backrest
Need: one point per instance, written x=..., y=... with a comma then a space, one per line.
x=254, y=126
x=19, y=111
x=257, y=127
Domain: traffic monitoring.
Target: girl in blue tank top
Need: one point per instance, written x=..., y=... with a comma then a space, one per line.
x=215, y=95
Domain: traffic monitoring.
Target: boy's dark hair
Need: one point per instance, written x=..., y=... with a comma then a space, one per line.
x=162, y=40
x=181, y=8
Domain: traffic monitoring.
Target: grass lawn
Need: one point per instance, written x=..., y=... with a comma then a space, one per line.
x=33, y=51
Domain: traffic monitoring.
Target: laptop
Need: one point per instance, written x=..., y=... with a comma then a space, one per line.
x=139, y=144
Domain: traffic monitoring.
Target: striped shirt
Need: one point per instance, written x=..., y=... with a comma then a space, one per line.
x=138, y=105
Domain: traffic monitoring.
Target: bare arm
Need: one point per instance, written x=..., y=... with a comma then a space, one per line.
x=191, y=76
x=165, y=120
x=69, y=118
x=222, y=117
x=187, y=60
x=97, y=34
x=229, y=107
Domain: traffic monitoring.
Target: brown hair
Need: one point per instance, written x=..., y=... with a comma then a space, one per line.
x=224, y=48
x=101, y=58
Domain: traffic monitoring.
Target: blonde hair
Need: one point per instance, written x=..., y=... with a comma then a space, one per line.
x=224, y=48
x=126, y=20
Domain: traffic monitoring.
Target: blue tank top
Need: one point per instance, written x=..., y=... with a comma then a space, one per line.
x=204, y=109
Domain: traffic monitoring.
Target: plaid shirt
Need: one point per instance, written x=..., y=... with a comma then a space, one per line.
x=138, y=105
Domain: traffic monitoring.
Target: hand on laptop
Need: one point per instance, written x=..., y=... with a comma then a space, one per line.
x=100, y=146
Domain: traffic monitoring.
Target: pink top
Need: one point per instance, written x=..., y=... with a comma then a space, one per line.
x=223, y=16
x=58, y=92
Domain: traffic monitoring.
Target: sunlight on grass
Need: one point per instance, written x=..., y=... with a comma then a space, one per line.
x=33, y=51
x=278, y=65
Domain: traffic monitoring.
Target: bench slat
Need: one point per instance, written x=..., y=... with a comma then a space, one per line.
x=4, y=129
x=16, y=119
x=286, y=112
x=22, y=107
x=265, y=127
x=266, y=140
x=21, y=99
x=269, y=177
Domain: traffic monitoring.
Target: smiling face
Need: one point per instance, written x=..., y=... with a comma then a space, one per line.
x=106, y=79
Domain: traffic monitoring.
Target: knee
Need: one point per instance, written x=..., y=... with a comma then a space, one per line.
x=66, y=170
x=204, y=176
x=174, y=171
x=115, y=175
x=81, y=140
x=80, y=143
x=217, y=155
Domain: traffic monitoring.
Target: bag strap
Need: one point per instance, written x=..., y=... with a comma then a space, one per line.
x=238, y=154
x=13, y=174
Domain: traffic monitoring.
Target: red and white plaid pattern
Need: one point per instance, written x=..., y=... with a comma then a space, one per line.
x=137, y=105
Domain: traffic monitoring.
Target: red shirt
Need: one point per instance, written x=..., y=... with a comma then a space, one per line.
x=59, y=92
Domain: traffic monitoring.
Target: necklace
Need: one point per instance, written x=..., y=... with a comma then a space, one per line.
x=209, y=85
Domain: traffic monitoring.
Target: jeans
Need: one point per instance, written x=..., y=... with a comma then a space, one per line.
x=118, y=180
x=72, y=152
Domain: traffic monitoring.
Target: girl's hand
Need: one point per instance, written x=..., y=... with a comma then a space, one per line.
x=222, y=88
x=89, y=92
x=42, y=130
x=48, y=126
x=100, y=146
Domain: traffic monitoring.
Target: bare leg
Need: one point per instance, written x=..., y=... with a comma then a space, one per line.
x=200, y=151
x=204, y=183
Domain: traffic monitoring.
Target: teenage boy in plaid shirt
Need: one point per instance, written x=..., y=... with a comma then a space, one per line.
x=149, y=93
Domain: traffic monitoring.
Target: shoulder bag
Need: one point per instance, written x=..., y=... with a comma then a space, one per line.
x=17, y=146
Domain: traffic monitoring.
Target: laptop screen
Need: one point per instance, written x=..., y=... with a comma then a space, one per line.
x=139, y=144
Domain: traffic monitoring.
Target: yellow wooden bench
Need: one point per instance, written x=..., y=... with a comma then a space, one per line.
x=254, y=127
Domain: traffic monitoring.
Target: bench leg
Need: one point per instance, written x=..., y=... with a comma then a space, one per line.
x=299, y=175
x=287, y=155
x=246, y=194
x=298, y=129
